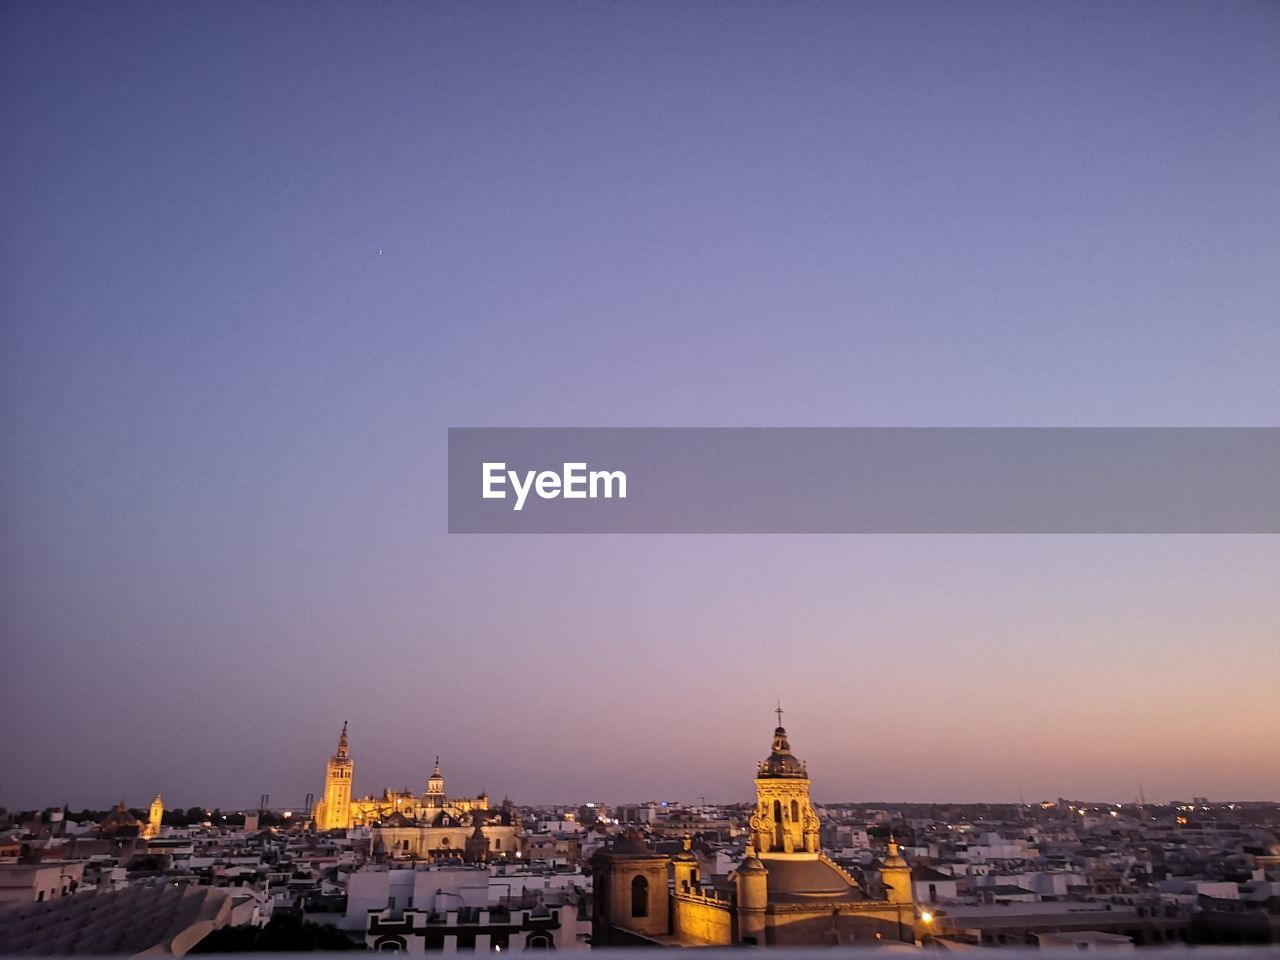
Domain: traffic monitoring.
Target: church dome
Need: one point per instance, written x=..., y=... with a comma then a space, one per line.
x=631, y=841
x=808, y=879
x=781, y=762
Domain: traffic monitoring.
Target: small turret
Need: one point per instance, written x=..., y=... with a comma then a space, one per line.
x=684, y=866
x=752, y=882
x=476, y=849
x=896, y=875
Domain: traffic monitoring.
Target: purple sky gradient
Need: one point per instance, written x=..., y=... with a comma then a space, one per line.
x=255, y=259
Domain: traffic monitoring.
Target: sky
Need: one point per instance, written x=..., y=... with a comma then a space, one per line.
x=256, y=259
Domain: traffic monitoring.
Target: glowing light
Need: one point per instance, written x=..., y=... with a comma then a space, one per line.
x=927, y=917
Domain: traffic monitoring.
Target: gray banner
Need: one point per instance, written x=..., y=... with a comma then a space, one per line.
x=864, y=480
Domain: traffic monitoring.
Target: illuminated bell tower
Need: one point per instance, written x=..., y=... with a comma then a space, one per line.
x=334, y=811
x=435, y=789
x=152, y=829
x=784, y=821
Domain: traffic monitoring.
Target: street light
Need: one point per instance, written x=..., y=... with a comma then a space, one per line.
x=926, y=918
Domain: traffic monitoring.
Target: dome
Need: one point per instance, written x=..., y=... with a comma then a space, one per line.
x=780, y=762
x=808, y=879
x=631, y=841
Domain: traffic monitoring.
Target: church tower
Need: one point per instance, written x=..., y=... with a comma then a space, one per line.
x=334, y=811
x=152, y=829
x=784, y=821
x=435, y=789
x=630, y=890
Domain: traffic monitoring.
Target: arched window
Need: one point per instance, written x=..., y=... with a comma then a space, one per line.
x=795, y=811
x=639, y=897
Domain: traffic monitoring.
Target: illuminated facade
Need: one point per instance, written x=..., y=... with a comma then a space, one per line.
x=785, y=892
x=154, y=817
x=405, y=810
x=333, y=812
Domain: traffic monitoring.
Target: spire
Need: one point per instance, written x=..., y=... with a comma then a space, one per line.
x=893, y=857
x=342, y=740
x=780, y=762
x=436, y=771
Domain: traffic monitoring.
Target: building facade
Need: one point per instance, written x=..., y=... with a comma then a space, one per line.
x=154, y=818
x=333, y=812
x=785, y=891
x=480, y=929
x=405, y=825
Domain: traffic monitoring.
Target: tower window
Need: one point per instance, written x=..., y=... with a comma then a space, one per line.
x=795, y=811
x=640, y=897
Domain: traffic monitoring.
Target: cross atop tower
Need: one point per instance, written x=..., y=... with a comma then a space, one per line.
x=778, y=711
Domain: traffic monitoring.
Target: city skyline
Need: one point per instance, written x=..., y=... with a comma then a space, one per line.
x=258, y=260
x=359, y=788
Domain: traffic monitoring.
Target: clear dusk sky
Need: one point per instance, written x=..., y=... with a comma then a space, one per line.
x=255, y=259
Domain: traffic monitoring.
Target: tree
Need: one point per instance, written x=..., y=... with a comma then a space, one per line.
x=286, y=932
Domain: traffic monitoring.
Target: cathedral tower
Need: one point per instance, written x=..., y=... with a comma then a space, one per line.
x=333, y=812
x=152, y=829
x=784, y=821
